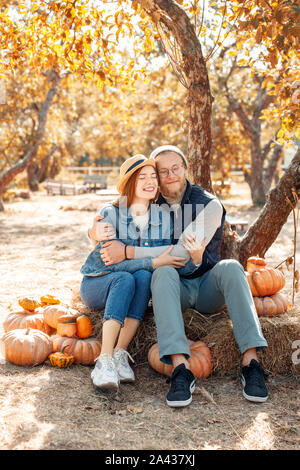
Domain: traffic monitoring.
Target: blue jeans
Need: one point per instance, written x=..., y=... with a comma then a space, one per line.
x=122, y=294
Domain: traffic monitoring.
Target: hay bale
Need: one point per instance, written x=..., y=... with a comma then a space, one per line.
x=280, y=333
x=216, y=331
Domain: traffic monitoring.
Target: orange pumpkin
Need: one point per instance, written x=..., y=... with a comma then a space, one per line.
x=255, y=263
x=273, y=305
x=26, y=347
x=263, y=281
x=200, y=360
x=66, y=325
x=84, y=326
x=26, y=319
x=85, y=350
x=53, y=312
x=49, y=300
x=29, y=303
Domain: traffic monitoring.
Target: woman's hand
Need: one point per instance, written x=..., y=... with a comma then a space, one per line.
x=112, y=252
x=165, y=259
x=101, y=232
x=194, y=247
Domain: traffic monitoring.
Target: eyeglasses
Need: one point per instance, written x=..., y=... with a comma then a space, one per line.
x=175, y=170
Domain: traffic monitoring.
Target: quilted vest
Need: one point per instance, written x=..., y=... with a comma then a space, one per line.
x=194, y=200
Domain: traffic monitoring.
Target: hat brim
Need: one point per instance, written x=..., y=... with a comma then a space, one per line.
x=123, y=181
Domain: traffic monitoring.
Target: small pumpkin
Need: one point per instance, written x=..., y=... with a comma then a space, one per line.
x=66, y=325
x=84, y=326
x=255, y=263
x=200, y=360
x=26, y=319
x=29, y=303
x=84, y=350
x=49, y=300
x=26, y=347
x=52, y=313
x=61, y=359
x=269, y=306
x=262, y=280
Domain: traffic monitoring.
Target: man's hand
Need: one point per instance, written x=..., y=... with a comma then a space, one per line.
x=165, y=259
x=100, y=232
x=195, y=248
x=112, y=252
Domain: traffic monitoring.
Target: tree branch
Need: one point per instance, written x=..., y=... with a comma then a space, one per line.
x=237, y=108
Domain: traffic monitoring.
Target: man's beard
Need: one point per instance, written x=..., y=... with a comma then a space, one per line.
x=176, y=195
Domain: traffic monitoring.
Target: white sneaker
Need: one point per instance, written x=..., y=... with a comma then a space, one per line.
x=124, y=370
x=104, y=374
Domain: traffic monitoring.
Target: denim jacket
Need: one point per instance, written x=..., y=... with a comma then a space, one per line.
x=158, y=232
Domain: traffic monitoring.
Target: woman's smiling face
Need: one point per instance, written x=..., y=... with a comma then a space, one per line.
x=146, y=183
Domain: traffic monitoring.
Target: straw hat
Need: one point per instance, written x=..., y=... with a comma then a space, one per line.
x=130, y=166
x=168, y=148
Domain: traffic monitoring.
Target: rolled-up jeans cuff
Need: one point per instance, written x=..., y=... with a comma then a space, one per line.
x=166, y=359
x=258, y=347
x=105, y=318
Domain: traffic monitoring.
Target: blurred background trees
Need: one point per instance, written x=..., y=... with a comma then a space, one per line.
x=218, y=79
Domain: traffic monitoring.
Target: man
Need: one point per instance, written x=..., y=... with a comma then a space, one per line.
x=214, y=282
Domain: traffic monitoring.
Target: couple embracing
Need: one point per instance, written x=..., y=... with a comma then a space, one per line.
x=162, y=239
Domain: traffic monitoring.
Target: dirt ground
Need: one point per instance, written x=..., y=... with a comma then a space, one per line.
x=43, y=245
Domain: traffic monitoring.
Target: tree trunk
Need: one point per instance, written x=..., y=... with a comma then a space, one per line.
x=32, y=176
x=43, y=170
x=252, y=128
x=8, y=175
x=199, y=143
x=270, y=171
x=54, y=169
x=257, y=186
x=195, y=77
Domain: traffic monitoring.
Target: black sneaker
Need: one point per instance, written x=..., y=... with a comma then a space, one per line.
x=253, y=380
x=182, y=386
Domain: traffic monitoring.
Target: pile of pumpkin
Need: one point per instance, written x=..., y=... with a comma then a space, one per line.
x=265, y=284
x=45, y=329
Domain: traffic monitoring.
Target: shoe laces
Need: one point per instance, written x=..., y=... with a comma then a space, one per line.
x=177, y=380
x=107, y=360
x=257, y=372
x=122, y=355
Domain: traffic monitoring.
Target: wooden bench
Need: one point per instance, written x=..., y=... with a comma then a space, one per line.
x=63, y=189
x=234, y=223
x=53, y=188
x=94, y=182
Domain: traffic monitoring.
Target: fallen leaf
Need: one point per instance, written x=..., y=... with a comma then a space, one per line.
x=133, y=409
x=212, y=420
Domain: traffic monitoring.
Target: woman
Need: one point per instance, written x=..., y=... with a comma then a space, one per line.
x=123, y=289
